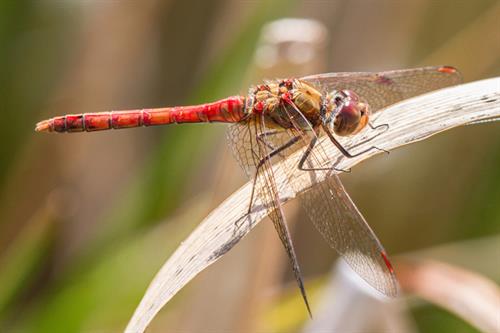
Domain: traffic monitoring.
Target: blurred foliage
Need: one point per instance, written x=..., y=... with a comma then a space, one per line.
x=117, y=276
x=450, y=16
x=24, y=258
x=432, y=319
x=28, y=69
x=480, y=217
x=290, y=306
x=55, y=278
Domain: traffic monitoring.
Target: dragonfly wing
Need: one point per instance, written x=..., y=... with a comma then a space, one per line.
x=343, y=227
x=341, y=224
x=252, y=144
x=382, y=89
x=241, y=138
x=243, y=142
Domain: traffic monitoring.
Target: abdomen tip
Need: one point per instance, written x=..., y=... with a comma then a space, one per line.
x=43, y=126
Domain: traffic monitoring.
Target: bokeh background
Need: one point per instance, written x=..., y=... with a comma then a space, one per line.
x=86, y=220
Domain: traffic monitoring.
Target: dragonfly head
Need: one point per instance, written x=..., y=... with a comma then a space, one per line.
x=349, y=114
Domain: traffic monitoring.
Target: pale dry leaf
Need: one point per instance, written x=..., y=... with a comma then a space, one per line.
x=410, y=121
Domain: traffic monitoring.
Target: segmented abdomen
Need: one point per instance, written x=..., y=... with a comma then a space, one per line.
x=228, y=110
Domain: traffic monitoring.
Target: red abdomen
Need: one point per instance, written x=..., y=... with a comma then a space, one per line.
x=228, y=110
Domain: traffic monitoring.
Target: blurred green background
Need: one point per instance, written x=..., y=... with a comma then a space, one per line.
x=87, y=220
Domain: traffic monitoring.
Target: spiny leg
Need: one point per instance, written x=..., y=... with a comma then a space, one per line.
x=343, y=150
x=263, y=135
x=286, y=100
x=262, y=161
x=384, y=127
x=308, y=152
x=373, y=127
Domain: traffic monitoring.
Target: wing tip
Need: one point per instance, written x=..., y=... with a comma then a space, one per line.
x=309, y=309
x=451, y=70
x=447, y=69
x=387, y=262
x=392, y=292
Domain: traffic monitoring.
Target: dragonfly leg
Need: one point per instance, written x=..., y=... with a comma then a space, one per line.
x=343, y=150
x=373, y=127
x=263, y=160
x=259, y=165
x=262, y=135
x=384, y=128
x=287, y=101
x=308, y=151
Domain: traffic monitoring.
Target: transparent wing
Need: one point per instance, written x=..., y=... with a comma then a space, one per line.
x=243, y=142
x=254, y=153
x=343, y=227
x=382, y=89
x=241, y=138
x=341, y=224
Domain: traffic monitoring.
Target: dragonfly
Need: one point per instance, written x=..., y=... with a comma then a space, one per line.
x=297, y=115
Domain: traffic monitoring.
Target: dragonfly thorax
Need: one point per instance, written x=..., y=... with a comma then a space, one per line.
x=345, y=113
x=342, y=110
x=282, y=100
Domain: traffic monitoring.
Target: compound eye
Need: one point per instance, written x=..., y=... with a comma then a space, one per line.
x=347, y=119
x=352, y=117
